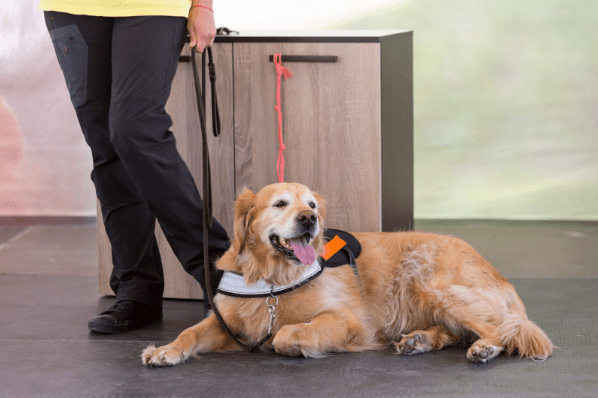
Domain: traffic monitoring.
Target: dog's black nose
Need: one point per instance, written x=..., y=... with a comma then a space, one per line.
x=307, y=218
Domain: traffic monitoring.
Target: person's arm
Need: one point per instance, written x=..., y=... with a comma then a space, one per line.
x=201, y=25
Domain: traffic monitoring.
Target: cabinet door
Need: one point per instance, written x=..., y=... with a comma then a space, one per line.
x=182, y=108
x=331, y=126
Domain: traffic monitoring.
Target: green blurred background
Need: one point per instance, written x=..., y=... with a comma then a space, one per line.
x=506, y=106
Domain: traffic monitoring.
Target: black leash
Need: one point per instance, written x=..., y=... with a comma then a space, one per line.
x=207, y=194
x=207, y=183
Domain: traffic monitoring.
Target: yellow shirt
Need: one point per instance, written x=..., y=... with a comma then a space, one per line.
x=119, y=8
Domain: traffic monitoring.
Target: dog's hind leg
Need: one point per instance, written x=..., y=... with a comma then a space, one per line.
x=515, y=333
x=483, y=350
x=488, y=346
x=420, y=341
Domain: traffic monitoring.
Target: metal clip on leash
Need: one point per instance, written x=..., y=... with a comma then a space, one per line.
x=207, y=188
x=271, y=310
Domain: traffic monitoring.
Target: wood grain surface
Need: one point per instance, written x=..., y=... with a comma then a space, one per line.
x=331, y=125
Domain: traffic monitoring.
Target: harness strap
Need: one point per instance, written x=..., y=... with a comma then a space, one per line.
x=354, y=266
x=233, y=284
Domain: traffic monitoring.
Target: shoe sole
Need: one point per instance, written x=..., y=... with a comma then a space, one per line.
x=124, y=327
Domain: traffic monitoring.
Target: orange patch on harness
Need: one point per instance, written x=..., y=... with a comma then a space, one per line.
x=332, y=247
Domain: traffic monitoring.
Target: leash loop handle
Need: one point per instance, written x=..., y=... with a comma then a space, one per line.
x=216, y=127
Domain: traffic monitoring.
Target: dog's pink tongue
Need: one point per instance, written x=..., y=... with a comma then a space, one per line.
x=307, y=254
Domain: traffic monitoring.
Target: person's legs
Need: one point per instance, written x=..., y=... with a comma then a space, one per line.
x=145, y=52
x=83, y=45
x=119, y=72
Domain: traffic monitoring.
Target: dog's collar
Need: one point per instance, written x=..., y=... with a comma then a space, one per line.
x=232, y=284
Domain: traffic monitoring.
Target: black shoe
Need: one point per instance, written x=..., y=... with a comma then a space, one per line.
x=125, y=315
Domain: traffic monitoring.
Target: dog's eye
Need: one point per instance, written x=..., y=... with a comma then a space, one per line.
x=312, y=205
x=280, y=203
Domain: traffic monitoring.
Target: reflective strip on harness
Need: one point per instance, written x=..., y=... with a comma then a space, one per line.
x=232, y=284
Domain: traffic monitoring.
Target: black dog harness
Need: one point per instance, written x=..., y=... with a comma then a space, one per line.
x=232, y=283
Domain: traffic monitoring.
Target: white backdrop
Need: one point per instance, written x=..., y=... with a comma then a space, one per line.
x=506, y=104
x=45, y=163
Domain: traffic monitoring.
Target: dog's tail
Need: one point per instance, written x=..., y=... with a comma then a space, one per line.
x=518, y=334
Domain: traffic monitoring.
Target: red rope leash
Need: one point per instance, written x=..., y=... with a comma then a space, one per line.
x=280, y=71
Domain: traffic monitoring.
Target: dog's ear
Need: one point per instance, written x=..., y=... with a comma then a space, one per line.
x=244, y=211
x=321, y=204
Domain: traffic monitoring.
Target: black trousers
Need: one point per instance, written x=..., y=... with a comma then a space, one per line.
x=119, y=72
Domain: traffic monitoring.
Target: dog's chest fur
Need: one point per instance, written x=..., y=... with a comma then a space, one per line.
x=331, y=291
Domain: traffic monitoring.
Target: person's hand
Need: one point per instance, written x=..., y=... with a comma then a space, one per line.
x=201, y=26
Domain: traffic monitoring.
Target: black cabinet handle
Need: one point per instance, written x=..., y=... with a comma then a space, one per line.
x=287, y=58
x=306, y=58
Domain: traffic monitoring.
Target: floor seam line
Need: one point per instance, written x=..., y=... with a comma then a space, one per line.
x=17, y=236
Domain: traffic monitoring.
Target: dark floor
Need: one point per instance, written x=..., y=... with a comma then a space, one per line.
x=48, y=291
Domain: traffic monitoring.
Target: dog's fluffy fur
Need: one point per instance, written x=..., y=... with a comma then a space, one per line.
x=418, y=291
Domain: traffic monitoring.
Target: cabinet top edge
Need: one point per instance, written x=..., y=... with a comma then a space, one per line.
x=312, y=36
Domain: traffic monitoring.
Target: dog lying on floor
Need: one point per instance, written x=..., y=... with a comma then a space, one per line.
x=417, y=291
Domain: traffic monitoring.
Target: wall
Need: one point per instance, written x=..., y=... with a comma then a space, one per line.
x=506, y=104
x=44, y=162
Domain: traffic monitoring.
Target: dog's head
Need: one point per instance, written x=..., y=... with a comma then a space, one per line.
x=273, y=231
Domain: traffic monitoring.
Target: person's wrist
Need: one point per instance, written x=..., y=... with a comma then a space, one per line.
x=202, y=4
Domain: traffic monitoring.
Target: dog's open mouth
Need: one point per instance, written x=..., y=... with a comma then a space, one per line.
x=297, y=248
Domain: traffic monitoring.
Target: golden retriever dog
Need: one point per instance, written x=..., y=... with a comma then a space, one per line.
x=417, y=291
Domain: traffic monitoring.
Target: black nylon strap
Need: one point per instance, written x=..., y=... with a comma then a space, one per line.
x=212, y=72
x=354, y=266
x=215, y=113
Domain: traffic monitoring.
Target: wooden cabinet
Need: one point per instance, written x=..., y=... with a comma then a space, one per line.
x=347, y=127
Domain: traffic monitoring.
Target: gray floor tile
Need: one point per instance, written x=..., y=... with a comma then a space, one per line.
x=46, y=349
x=528, y=249
x=113, y=368
x=51, y=250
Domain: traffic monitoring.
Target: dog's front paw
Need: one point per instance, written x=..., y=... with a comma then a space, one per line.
x=285, y=343
x=292, y=340
x=162, y=356
x=413, y=343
